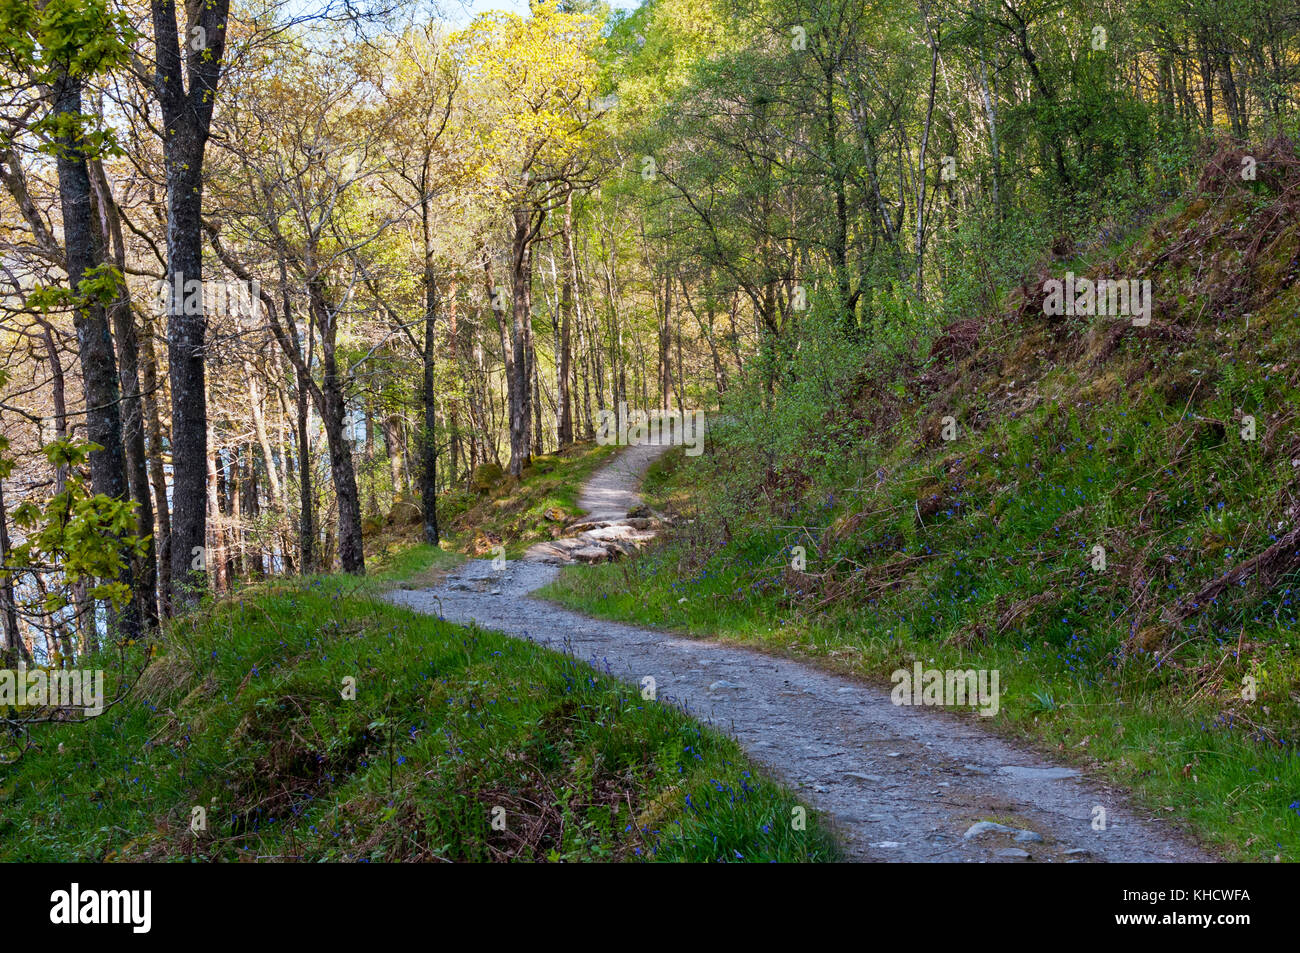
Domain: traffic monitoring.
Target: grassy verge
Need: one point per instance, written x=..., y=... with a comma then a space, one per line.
x=242, y=714
x=517, y=513
x=412, y=565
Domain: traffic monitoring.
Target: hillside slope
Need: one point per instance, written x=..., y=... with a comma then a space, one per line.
x=1106, y=512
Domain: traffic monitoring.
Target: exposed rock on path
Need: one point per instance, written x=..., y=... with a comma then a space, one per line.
x=613, y=526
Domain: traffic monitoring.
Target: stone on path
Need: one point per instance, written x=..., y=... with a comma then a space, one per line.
x=985, y=827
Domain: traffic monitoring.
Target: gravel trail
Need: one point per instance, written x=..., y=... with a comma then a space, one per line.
x=897, y=783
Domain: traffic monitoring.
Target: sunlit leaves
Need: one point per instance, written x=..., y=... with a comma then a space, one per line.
x=536, y=78
x=99, y=286
x=82, y=534
x=79, y=37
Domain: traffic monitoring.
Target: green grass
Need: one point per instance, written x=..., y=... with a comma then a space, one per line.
x=242, y=714
x=412, y=565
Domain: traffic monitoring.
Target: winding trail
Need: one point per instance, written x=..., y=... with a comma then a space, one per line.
x=897, y=783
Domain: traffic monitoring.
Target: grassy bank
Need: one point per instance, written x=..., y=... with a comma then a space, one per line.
x=242, y=714
x=512, y=512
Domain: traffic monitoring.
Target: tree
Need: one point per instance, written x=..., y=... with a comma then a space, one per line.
x=67, y=44
x=536, y=77
x=418, y=104
x=184, y=78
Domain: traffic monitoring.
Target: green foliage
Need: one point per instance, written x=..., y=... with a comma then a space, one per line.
x=100, y=285
x=77, y=37
x=72, y=38
x=91, y=139
x=77, y=533
x=83, y=37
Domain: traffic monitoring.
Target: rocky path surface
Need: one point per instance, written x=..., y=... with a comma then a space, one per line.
x=615, y=524
x=897, y=783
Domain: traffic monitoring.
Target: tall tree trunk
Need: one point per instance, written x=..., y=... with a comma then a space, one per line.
x=681, y=373
x=306, y=518
x=263, y=438
x=342, y=471
x=14, y=649
x=453, y=408
x=991, y=117
x=368, y=457
x=254, y=558
x=496, y=303
x=302, y=394
x=84, y=252
x=58, y=397
x=186, y=90
x=234, y=491
x=921, y=182
x=214, y=551
x=333, y=412
x=665, y=343
x=839, y=241
x=519, y=383
x=1231, y=99
x=132, y=413
x=83, y=610
x=568, y=304
x=1206, y=58
x=157, y=478
x=395, y=449
x=429, y=443
x=538, y=446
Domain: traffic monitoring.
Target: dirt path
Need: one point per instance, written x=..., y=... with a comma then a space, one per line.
x=898, y=783
x=612, y=490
